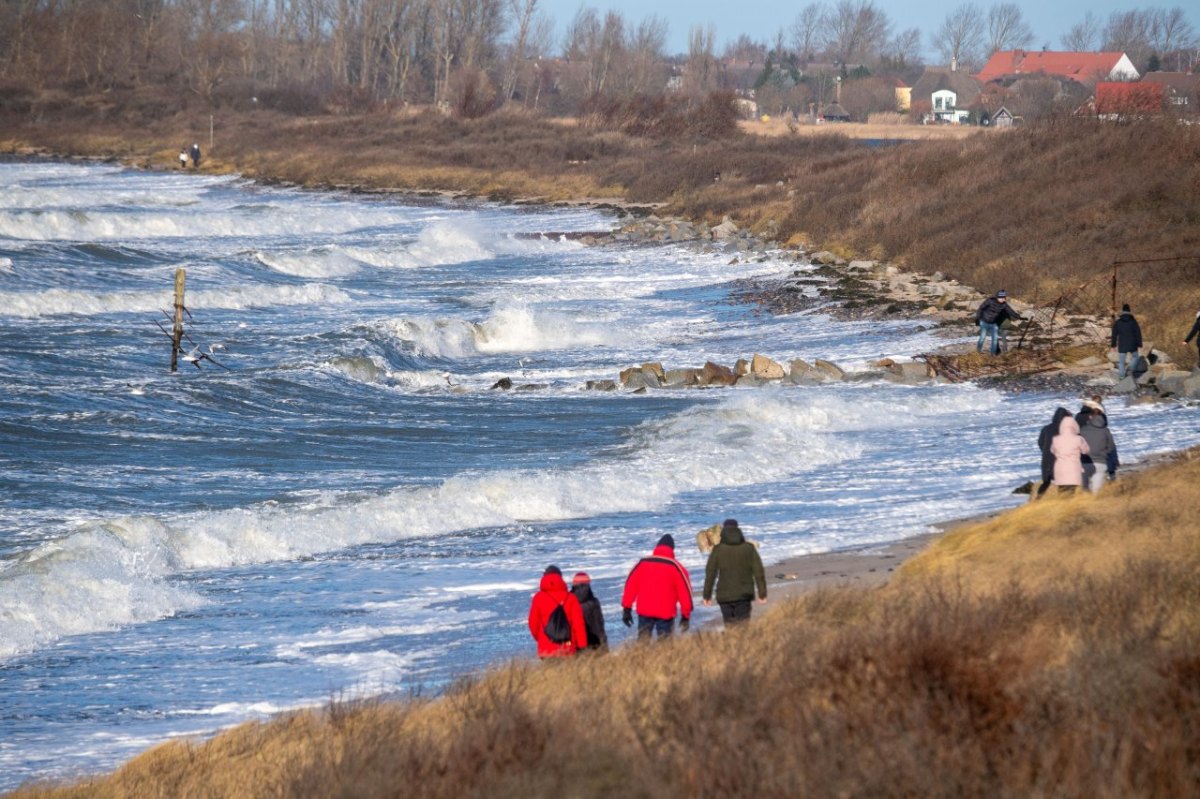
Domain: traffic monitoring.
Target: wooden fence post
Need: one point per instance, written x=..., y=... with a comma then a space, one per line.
x=177, y=331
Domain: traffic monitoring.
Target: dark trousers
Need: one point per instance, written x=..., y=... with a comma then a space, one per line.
x=649, y=624
x=736, y=612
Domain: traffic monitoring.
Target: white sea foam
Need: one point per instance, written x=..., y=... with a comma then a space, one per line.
x=317, y=262
x=513, y=328
x=116, y=572
x=59, y=302
x=104, y=225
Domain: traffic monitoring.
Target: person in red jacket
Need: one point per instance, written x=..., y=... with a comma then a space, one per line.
x=551, y=593
x=657, y=585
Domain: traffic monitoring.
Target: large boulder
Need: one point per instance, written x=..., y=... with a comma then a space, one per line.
x=714, y=374
x=830, y=369
x=802, y=373
x=635, y=377
x=1125, y=386
x=602, y=385
x=764, y=368
x=675, y=378
x=724, y=230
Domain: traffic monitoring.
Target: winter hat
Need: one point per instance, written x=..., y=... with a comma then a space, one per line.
x=667, y=541
x=1125, y=308
x=1094, y=405
x=1001, y=293
x=730, y=523
x=553, y=570
x=580, y=578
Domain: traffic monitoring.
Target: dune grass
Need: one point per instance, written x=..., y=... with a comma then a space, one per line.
x=1053, y=650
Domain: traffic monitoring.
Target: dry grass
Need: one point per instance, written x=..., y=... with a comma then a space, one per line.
x=1052, y=651
x=776, y=126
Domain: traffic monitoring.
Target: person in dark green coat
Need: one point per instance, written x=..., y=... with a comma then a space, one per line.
x=736, y=569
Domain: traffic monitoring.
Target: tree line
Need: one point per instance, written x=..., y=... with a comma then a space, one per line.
x=475, y=55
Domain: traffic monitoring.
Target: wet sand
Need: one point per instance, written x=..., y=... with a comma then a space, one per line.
x=863, y=567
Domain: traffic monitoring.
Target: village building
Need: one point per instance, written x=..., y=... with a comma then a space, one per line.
x=1008, y=66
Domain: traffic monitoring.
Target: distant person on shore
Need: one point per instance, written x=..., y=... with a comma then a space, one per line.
x=656, y=585
x=1126, y=340
x=593, y=614
x=736, y=568
x=1093, y=426
x=1045, y=439
x=1195, y=333
x=992, y=313
x=1069, y=448
x=183, y=158
x=196, y=156
x=556, y=639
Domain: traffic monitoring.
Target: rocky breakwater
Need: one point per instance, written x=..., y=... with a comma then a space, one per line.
x=759, y=370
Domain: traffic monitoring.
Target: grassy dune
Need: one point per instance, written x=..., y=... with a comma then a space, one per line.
x=1051, y=651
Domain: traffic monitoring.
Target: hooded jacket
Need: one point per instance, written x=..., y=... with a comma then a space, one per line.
x=1126, y=334
x=593, y=616
x=1094, y=429
x=551, y=593
x=1046, y=438
x=657, y=584
x=736, y=568
x=1069, y=448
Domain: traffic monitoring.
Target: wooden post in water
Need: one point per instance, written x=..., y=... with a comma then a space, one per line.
x=177, y=331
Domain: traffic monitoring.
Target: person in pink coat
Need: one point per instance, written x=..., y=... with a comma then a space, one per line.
x=1068, y=448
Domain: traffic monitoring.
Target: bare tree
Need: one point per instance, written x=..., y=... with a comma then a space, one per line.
x=1083, y=35
x=855, y=31
x=904, y=49
x=1129, y=32
x=644, y=69
x=960, y=36
x=522, y=12
x=1006, y=28
x=700, y=60
x=806, y=31
x=1170, y=31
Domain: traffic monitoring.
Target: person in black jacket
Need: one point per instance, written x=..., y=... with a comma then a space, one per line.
x=1126, y=339
x=991, y=314
x=1195, y=333
x=1045, y=438
x=593, y=615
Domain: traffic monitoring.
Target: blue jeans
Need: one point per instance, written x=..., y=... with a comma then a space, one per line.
x=649, y=624
x=988, y=329
x=1121, y=356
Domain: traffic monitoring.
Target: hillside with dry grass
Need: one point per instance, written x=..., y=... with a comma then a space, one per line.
x=1051, y=651
x=1042, y=211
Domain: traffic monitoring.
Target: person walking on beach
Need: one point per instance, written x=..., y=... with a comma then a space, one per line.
x=196, y=156
x=736, y=569
x=1126, y=340
x=1093, y=426
x=1195, y=333
x=656, y=585
x=992, y=313
x=1069, y=448
x=183, y=156
x=593, y=615
x=1045, y=439
x=554, y=640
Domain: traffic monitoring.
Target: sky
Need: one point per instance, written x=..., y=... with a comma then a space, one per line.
x=760, y=19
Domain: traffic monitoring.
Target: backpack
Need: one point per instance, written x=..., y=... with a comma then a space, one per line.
x=558, y=626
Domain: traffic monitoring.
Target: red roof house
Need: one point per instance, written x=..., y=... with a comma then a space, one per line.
x=1086, y=68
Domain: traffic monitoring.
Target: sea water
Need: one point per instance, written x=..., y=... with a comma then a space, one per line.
x=335, y=503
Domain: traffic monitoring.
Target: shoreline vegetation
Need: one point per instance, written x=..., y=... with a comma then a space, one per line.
x=1049, y=650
